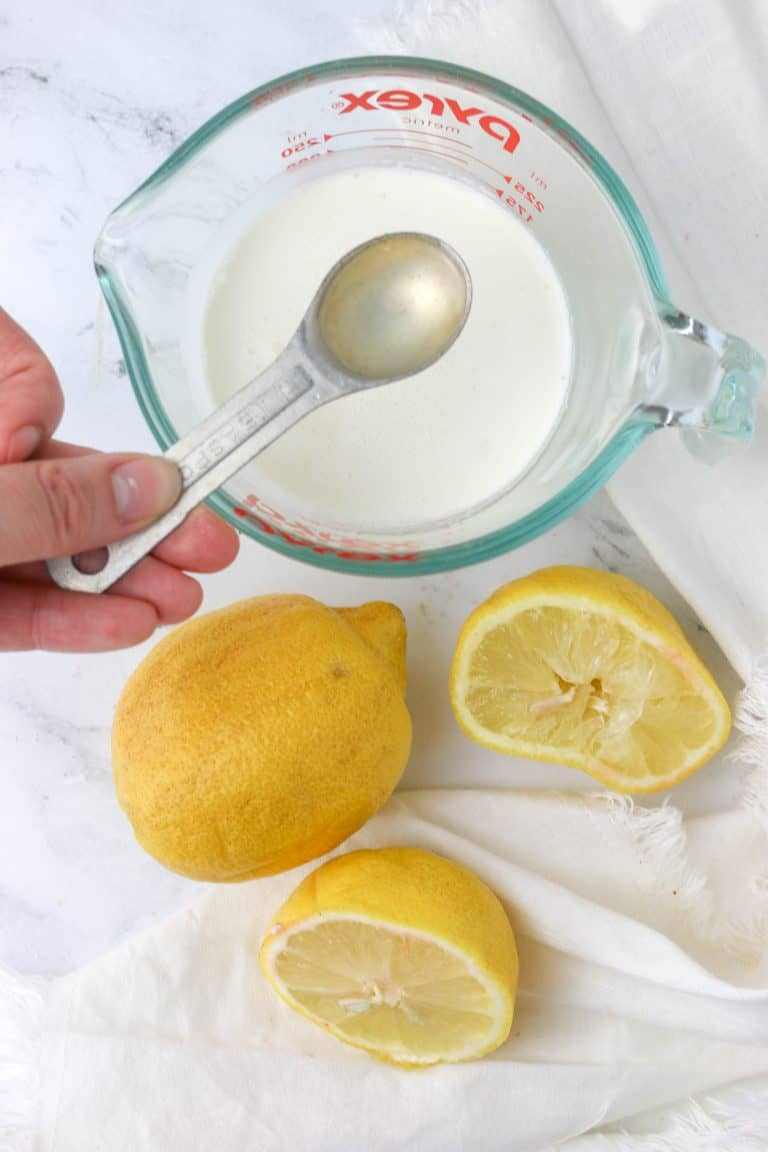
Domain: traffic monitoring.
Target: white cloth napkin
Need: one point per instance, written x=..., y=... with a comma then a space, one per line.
x=642, y=1022
x=641, y=983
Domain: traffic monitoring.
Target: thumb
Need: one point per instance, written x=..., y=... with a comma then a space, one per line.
x=61, y=507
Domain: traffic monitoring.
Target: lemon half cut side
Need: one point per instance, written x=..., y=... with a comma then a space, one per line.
x=586, y=668
x=399, y=952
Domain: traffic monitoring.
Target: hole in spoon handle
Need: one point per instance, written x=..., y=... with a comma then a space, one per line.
x=125, y=554
x=207, y=457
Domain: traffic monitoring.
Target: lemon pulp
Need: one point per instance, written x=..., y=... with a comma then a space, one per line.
x=587, y=669
x=405, y=995
x=397, y=951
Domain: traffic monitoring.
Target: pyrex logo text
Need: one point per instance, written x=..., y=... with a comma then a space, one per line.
x=401, y=100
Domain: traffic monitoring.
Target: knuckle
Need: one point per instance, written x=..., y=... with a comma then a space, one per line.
x=55, y=396
x=29, y=380
x=67, y=508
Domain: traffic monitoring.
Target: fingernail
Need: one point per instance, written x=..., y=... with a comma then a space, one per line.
x=145, y=488
x=23, y=443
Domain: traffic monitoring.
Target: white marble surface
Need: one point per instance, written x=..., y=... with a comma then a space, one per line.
x=93, y=96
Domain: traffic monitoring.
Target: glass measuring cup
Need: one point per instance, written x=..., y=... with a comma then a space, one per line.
x=639, y=364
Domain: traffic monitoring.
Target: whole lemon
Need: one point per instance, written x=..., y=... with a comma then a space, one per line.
x=260, y=736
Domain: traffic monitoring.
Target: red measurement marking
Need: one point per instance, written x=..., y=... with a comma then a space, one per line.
x=525, y=117
x=506, y=179
x=523, y=202
x=446, y=140
x=303, y=160
x=431, y=151
x=415, y=131
x=352, y=132
x=438, y=136
x=529, y=196
x=299, y=146
x=391, y=143
x=324, y=549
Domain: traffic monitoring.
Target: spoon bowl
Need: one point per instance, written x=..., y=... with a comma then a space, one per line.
x=391, y=307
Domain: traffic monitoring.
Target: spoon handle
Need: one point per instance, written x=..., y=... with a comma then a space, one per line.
x=212, y=452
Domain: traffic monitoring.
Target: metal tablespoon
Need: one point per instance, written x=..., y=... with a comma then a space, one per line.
x=386, y=310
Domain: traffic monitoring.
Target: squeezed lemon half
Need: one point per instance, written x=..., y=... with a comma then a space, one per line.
x=586, y=668
x=397, y=951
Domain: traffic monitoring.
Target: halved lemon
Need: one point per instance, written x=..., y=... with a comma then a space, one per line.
x=397, y=951
x=586, y=668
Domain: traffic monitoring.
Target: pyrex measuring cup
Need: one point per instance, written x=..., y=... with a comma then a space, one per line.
x=639, y=364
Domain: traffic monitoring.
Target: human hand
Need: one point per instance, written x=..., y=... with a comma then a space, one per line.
x=60, y=499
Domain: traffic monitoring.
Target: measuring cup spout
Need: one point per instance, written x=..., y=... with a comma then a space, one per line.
x=708, y=384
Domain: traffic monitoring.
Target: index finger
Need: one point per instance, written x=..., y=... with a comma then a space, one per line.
x=31, y=400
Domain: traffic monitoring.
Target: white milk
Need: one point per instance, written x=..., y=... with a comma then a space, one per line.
x=444, y=441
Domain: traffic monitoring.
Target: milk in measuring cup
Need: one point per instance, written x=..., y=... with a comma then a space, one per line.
x=440, y=443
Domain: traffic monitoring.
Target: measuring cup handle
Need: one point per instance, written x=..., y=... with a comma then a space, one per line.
x=224, y=443
x=711, y=384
